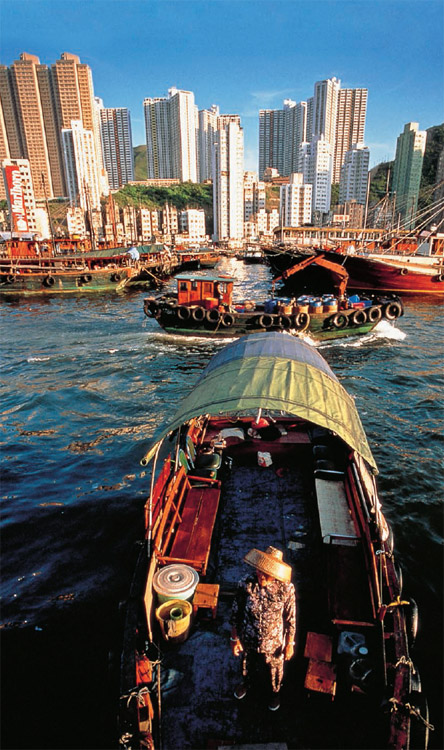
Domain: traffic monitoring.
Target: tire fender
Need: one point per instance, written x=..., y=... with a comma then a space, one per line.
x=392, y=310
x=374, y=314
x=265, y=321
x=198, y=314
x=227, y=320
x=301, y=321
x=359, y=317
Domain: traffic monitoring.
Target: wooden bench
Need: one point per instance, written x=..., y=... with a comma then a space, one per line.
x=192, y=541
x=206, y=597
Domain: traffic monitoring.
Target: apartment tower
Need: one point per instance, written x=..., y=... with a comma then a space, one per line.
x=350, y=125
x=171, y=136
x=407, y=169
x=208, y=119
x=228, y=179
x=117, y=145
x=354, y=175
x=295, y=202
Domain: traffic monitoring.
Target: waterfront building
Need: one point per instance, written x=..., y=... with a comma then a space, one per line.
x=81, y=166
x=19, y=189
x=295, y=204
x=75, y=219
x=354, y=174
x=350, y=125
x=192, y=223
x=348, y=214
x=208, y=119
x=170, y=220
x=228, y=179
x=254, y=195
x=117, y=145
x=171, y=136
x=410, y=147
x=147, y=224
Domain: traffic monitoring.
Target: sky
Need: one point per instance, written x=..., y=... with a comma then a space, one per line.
x=246, y=55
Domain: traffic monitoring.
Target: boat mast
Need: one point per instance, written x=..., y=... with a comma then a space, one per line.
x=51, y=231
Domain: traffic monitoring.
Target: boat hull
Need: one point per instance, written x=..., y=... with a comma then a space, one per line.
x=326, y=326
x=64, y=282
x=399, y=275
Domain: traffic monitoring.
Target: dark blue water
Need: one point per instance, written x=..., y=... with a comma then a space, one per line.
x=85, y=384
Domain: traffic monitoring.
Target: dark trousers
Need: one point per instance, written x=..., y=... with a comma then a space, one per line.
x=263, y=669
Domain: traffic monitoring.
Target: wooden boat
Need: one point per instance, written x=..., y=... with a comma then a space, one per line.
x=352, y=682
x=204, y=306
x=402, y=268
x=253, y=255
x=58, y=279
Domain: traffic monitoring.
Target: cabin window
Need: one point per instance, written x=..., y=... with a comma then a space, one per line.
x=207, y=288
x=183, y=286
x=194, y=285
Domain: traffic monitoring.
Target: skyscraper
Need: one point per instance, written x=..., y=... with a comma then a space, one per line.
x=407, y=169
x=207, y=127
x=171, y=134
x=37, y=103
x=81, y=166
x=281, y=131
x=228, y=174
x=30, y=124
x=315, y=163
x=117, y=145
x=354, y=175
x=350, y=125
x=325, y=108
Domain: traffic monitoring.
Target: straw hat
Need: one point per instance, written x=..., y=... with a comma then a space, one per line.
x=269, y=562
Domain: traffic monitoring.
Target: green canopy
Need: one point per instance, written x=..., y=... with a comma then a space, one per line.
x=279, y=373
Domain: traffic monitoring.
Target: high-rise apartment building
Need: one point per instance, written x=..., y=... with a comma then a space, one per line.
x=228, y=179
x=117, y=145
x=315, y=160
x=17, y=178
x=281, y=131
x=325, y=109
x=295, y=202
x=354, y=175
x=208, y=119
x=37, y=104
x=171, y=136
x=30, y=125
x=350, y=125
x=81, y=166
x=407, y=169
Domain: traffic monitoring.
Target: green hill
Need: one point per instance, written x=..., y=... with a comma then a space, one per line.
x=140, y=168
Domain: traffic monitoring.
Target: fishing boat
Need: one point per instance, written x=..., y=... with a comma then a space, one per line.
x=63, y=277
x=268, y=449
x=204, y=306
x=253, y=255
x=397, y=267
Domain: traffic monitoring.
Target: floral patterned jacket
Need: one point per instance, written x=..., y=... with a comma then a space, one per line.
x=264, y=618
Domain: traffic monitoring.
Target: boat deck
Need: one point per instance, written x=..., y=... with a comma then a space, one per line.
x=260, y=506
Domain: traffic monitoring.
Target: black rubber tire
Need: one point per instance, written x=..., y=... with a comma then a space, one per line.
x=198, y=314
x=49, y=281
x=227, y=320
x=10, y=279
x=374, y=314
x=358, y=318
x=392, y=310
x=301, y=321
x=212, y=315
x=86, y=278
x=338, y=320
x=404, y=271
x=183, y=313
x=266, y=320
x=115, y=277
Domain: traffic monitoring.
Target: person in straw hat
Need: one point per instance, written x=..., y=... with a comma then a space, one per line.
x=263, y=622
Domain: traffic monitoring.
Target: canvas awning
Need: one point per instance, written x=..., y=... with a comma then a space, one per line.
x=279, y=373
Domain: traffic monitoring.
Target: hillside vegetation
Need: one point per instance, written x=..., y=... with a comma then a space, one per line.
x=184, y=195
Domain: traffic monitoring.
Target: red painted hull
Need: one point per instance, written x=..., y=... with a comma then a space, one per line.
x=379, y=275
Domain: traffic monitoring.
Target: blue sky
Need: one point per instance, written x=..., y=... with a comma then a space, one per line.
x=245, y=55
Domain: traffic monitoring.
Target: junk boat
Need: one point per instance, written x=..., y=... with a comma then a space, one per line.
x=268, y=449
x=204, y=306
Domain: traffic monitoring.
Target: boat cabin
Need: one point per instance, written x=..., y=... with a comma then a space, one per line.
x=207, y=291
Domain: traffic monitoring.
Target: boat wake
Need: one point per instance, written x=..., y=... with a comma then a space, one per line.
x=384, y=330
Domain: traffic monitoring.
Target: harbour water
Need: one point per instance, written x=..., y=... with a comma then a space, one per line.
x=86, y=383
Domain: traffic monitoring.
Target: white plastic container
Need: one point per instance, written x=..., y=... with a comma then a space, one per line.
x=176, y=581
